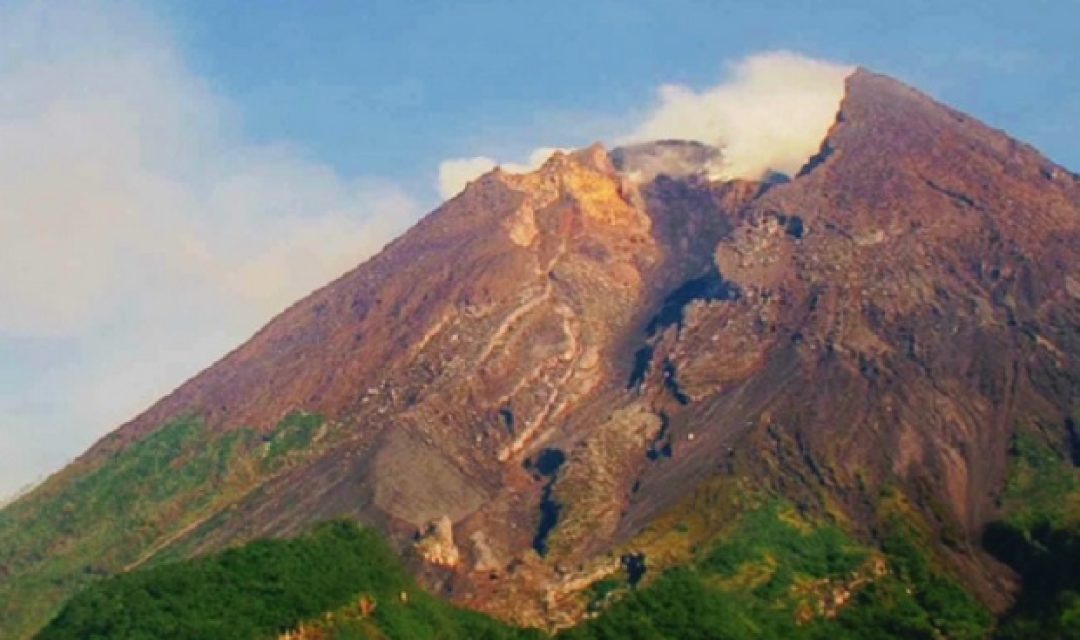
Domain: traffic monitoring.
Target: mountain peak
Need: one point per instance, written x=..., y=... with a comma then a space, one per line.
x=892, y=141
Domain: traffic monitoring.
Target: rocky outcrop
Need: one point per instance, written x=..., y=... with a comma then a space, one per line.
x=436, y=545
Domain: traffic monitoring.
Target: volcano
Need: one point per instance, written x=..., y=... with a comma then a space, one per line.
x=543, y=382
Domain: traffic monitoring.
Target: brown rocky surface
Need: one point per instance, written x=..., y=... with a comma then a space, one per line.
x=549, y=361
x=903, y=306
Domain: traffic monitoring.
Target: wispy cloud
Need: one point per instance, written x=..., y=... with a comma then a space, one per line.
x=139, y=237
x=455, y=173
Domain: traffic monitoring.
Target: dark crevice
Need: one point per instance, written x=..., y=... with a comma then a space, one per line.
x=868, y=368
x=642, y=359
x=793, y=225
x=507, y=417
x=956, y=196
x=1073, y=431
x=671, y=383
x=549, y=517
x=549, y=461
x=661, y=445
x=547, y=464
x=708, y=287
x=634, y=563
x=817, y=159
x=771, y=179
x=808, y=458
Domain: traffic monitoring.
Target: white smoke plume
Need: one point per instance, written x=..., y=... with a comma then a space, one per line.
x=769, y=113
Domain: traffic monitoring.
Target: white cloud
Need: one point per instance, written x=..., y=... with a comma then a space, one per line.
x=536, y=158
x=455, y=173
x=136, y=231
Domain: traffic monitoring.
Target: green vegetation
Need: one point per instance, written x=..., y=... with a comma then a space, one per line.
x=293, y=435
x=778, y=576
x=928, y=602
x=744, y=565
x=1040, y=539
x=100, y=518
x=268, y=587
x=792, y=545
x=772, y=575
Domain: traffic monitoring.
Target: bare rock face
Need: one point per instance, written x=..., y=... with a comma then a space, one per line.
x=485, y=558
x=548, y=362
x=902, y=308
x=436, y=545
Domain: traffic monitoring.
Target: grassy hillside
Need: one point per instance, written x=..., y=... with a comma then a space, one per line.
x=769, y=573
x=779, y=576
x=1040, y=539
x=266, y=588
x=774, y=575
x=88, y=523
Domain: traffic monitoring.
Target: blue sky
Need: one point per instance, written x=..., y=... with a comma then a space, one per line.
x=176, y=172
x=390, y=87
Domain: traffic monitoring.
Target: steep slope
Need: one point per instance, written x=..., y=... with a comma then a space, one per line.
x=546, y=373
x=908, y=302
x=409, y=390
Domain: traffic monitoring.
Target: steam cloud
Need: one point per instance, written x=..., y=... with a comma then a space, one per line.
x=770, y=113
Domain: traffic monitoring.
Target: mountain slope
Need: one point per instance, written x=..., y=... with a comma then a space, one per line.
x=925, y=307
x=773, y=575
x=541, y=376
x=270, y=587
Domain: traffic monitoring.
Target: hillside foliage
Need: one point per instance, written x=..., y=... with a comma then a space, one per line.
x=1040, y=539
x=775, y=576
x=86, y=524
x=778, y=576
x=269, y=587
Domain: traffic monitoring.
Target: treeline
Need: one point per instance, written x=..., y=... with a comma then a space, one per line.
x=1040, y=538
x=266, y=588
x=777, y=577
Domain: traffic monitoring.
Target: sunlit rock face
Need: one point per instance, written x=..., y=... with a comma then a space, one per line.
x=551, y=361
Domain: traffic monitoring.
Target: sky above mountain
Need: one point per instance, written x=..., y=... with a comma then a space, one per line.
x=174, y=173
